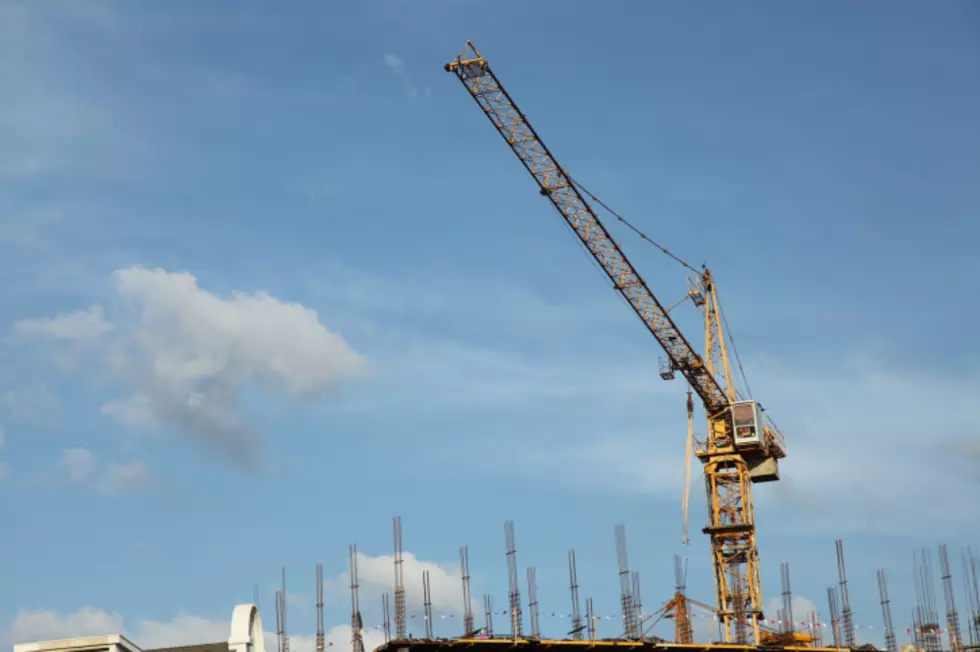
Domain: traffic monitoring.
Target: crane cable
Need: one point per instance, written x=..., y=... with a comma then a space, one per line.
x=731, y=338
x=664, y=250
x=626, y=222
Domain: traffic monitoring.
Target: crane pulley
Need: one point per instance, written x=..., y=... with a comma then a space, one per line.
x=740, y=447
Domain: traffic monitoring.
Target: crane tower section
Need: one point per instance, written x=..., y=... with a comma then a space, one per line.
x=740, y=447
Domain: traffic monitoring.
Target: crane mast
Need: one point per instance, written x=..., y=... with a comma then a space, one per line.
x=740, y=448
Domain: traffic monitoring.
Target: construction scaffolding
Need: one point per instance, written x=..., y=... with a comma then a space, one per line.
x=516, y=615
x=577, y=626
x=891, y=643
x=927, y=633
x=847, y=617
x=464, y=573
x=625, y=585
x=789, y=630
x=400, y=613
x=356, y=622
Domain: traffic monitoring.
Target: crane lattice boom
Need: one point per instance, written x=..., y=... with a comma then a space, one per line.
x=557, y=186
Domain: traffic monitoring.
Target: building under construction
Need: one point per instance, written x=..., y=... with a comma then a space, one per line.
x=631, y=629
x=519, y=623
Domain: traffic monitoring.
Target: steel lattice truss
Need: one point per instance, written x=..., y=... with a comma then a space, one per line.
x=733, y=544
x=484, y=87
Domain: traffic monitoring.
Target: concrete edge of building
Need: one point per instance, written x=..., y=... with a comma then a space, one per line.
x=110, y=642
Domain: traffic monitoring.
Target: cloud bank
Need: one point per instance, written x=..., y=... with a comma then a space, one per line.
x=186, y=355
x=375, y=576
x=184, y=629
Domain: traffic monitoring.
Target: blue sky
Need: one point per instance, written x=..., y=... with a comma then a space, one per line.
x=822, y=158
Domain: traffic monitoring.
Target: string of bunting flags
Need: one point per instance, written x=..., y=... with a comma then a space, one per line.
x=713, y=617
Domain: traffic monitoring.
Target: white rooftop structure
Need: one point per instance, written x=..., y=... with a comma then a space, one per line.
x=109, y=643
x=245, y=635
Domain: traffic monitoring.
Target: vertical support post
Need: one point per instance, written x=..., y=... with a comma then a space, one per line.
x=400, y=611
x=284, y=640
x=787, y=625
x=891, y=644
x=532, y=597
x=356, y=624
x=320, y=642
x=845, y=601
x=952, y=617
x=573, y=584
x=427, y=597
x=834, y=615
x=591, y=617
x=488, y=614
x=626, y=592
x=464, y=572
x=516, y=616
x=386, y=616
x=637, y=605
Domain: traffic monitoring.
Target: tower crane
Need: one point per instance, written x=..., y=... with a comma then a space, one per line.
x=741, y=445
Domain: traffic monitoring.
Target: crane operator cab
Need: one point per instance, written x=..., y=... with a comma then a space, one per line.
x=748, y=421
x=759, y=445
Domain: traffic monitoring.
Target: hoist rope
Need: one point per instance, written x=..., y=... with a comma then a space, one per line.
x=627, y=223
x=664, y=250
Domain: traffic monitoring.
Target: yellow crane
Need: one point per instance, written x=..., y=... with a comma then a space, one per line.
x=741, y=446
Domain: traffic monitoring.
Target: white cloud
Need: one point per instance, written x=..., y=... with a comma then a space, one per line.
x=187, y=354
x=78, y=464
x=848, y=426
x=30, y=404
x=803, y=610
x=394, y=61
x=30, y=625
x=375, y=576
x=135, y=411
x=79, y=325
x=191, y=334
x=120, y=477
x=397, y=65
x=844, y=425
x=183, y=629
